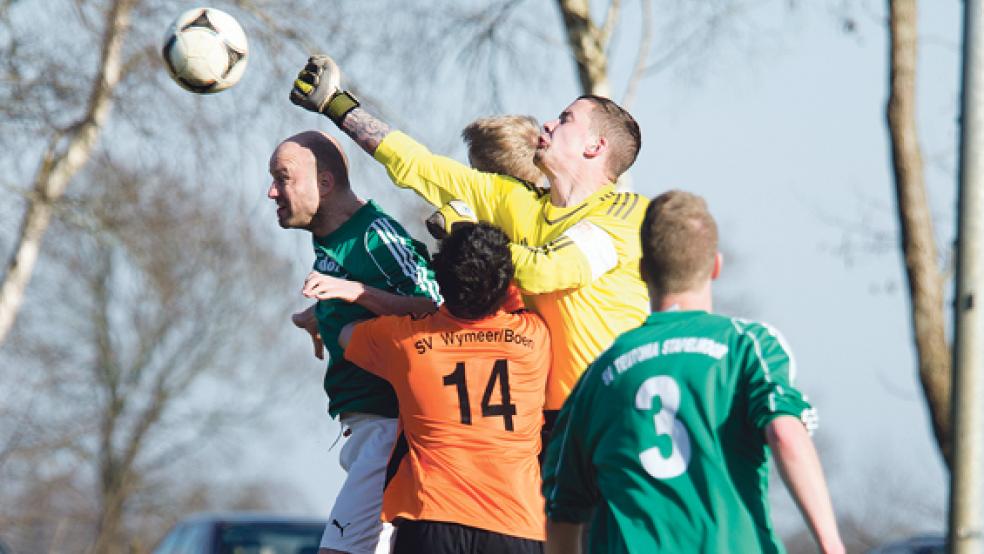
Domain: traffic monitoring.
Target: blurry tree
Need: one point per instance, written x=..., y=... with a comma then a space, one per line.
x=58, y=107
x=143, y=344
x=67, y=150
x=162, y=348
x=924, y=275
x=669, y=32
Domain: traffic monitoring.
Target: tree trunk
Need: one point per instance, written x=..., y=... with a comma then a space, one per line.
x=588, y=43
x=59, y=166
x=923, y=273
x=109, y=536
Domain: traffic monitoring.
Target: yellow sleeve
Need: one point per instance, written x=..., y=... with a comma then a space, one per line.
x=582, y=254
x=439, y=179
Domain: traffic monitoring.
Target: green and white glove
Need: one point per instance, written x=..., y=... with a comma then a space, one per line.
x=318, y=89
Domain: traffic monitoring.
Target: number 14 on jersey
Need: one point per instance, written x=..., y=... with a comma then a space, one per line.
x=498, y=378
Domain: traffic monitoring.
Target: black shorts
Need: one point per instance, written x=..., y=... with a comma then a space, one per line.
x=438, y=537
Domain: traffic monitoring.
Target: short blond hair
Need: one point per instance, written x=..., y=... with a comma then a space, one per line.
x=619, y=128
x=679, y=242
x=504, y=144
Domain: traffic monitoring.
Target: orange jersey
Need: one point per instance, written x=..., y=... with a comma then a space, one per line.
x=471, y=397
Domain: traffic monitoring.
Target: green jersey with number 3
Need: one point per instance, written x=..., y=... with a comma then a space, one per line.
x=663, y=437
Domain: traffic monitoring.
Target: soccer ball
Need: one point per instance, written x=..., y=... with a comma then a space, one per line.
x=205, y=50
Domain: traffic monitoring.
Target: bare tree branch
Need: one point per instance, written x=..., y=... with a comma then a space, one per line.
x=587, y=46
x=59, y=166
x=701, y=32
x=611, y=21
x=645, y=45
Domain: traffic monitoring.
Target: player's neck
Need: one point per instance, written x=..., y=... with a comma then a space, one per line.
x=336, y=210
x=697, y=299
x=569, y=190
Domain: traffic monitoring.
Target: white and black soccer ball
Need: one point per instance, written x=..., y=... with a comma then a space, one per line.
x=205, y=50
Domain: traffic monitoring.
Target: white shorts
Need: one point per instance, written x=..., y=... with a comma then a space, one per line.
x=355, y=525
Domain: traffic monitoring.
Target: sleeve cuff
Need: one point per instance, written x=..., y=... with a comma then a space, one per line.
x=807, y=416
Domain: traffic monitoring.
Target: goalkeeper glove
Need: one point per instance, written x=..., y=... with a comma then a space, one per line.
x=317, y=89
x=442, y=222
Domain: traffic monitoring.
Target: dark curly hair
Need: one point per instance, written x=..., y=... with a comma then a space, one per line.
x=473, y=267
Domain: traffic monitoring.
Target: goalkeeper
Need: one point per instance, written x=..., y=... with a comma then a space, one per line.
x=575, y=246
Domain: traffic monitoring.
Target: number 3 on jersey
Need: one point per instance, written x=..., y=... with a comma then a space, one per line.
x=653, y=460
x=500, y=374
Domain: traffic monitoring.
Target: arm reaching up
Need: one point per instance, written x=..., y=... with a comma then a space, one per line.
x=438, y=179
x=317, y=89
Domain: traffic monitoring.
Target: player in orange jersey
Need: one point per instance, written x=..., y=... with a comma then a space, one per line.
x=470, y=380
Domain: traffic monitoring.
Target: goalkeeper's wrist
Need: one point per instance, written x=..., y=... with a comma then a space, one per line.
x=340, y=104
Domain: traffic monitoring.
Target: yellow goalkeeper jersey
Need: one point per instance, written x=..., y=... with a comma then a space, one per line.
x=578, y=266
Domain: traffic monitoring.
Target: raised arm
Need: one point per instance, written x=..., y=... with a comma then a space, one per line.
x=800, y=469
x=437, y=179
x=365, y=129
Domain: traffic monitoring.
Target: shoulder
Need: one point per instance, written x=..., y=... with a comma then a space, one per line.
x=517, y=191
x=393, y=326
x=629, y=348
x=533, y=322
x=528, y=187
x=763, y=341
x=624, y=206
x=383, y=230
x=379, y=221
x=759, y=331
x=620, y=214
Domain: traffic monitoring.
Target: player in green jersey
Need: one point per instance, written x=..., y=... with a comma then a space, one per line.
x=667, y=435
x=365, y=265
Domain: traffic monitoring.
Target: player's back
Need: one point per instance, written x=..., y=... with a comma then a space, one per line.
x=670, y=420
x=471, y=397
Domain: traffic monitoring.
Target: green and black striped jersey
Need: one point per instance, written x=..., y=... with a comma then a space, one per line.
x=371, y=248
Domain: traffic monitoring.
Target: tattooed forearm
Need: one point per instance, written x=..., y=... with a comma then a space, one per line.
x=365, y=129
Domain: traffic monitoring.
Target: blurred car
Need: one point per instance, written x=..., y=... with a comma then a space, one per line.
x=925, y=544
x=243, y=533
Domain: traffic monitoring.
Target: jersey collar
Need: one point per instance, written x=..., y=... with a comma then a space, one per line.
x=553, y=215
x=343, y=229
x=657, y=318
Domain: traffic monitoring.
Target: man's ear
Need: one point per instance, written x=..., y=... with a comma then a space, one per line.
x=326, y=182
x=597, y=148
x=718, y=264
